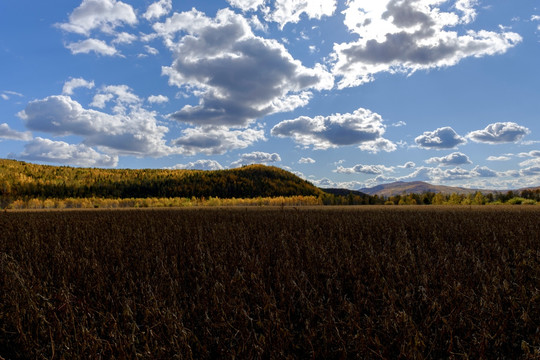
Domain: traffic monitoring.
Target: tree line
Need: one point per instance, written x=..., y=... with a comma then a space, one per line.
x=26, y=185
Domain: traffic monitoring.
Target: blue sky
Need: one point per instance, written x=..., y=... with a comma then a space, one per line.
x=344, y=93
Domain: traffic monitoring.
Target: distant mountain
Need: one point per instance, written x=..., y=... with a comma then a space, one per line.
x=417, y=187
x=535, y=188
x=22, y=180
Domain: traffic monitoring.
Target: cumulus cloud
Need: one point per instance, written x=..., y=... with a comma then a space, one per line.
x=365, y=169
x=158, y=9
x=399, y=124
x=324, y=183
x=198, y=165
x=290, y=11
x=104, y=15
x=60, y=152
x=306, y=161
x=150, y=50
x=158, y=99
x=535, y=161
x=360, y=127
x=467, y=9
x=238, y=77
x=530, y=171
x=498, y=133
x=498, y=158
x=407, y=165
x=76, y=83
x=378, y=145
x=124, y=38
x=453, y=159
x=7, y=133
x=87, y=46
x=439, y=175
x=256, y=157
x=216, y=140
x=410, y=35
x=533, y=153
x=134, y=133
x=246, y=5
x=442, y=138
x=122, y=95
x=484, y=172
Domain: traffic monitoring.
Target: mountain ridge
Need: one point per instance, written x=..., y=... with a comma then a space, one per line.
x=419, y=187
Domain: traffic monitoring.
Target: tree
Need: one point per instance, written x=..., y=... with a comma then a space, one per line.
x=479, y=199
x=438, y=199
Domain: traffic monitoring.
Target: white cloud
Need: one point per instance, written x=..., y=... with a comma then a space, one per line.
x=256, y=157
x=306, y=161
x=533, y=153
x=134, y=133
x=7, y=94
x=216, y=140
x=530, y=171
x=92, y=45
x=439, y=175
x=455, y=158
x=104, y=15
x=158, y=99
x=535, y=161
x=378, y=145
x=257, y=24
x=124, y=38
x=399, y=124
x=407, y=165
x=158, y=9
x=246, y=5
x=535, y=18
x=150, y=50
x=75, y=83
x=365, y=169
x=274, y=80
x=198, y=165
x=360, y=127
x=467, y=8
x=324, y=183
x=404, y=36
x=484, y=172
x=290, y=11
x=61, y=152
x=7, y=133
x=442, y=138
x=101, y=100
x=498, y=133
x=498, y=158
x=122, y=95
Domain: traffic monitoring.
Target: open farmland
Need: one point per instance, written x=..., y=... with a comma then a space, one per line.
x=371, y=282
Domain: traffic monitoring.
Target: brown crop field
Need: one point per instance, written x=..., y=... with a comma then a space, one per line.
x=271, y=283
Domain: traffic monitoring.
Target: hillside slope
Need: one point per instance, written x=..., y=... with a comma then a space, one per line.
x=21, y=179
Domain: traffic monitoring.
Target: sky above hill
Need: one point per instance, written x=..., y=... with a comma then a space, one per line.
x=343, y=93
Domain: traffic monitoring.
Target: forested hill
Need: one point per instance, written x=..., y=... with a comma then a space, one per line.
x=20, y=180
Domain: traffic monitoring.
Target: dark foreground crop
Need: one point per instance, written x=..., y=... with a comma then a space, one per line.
x=368, y=283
